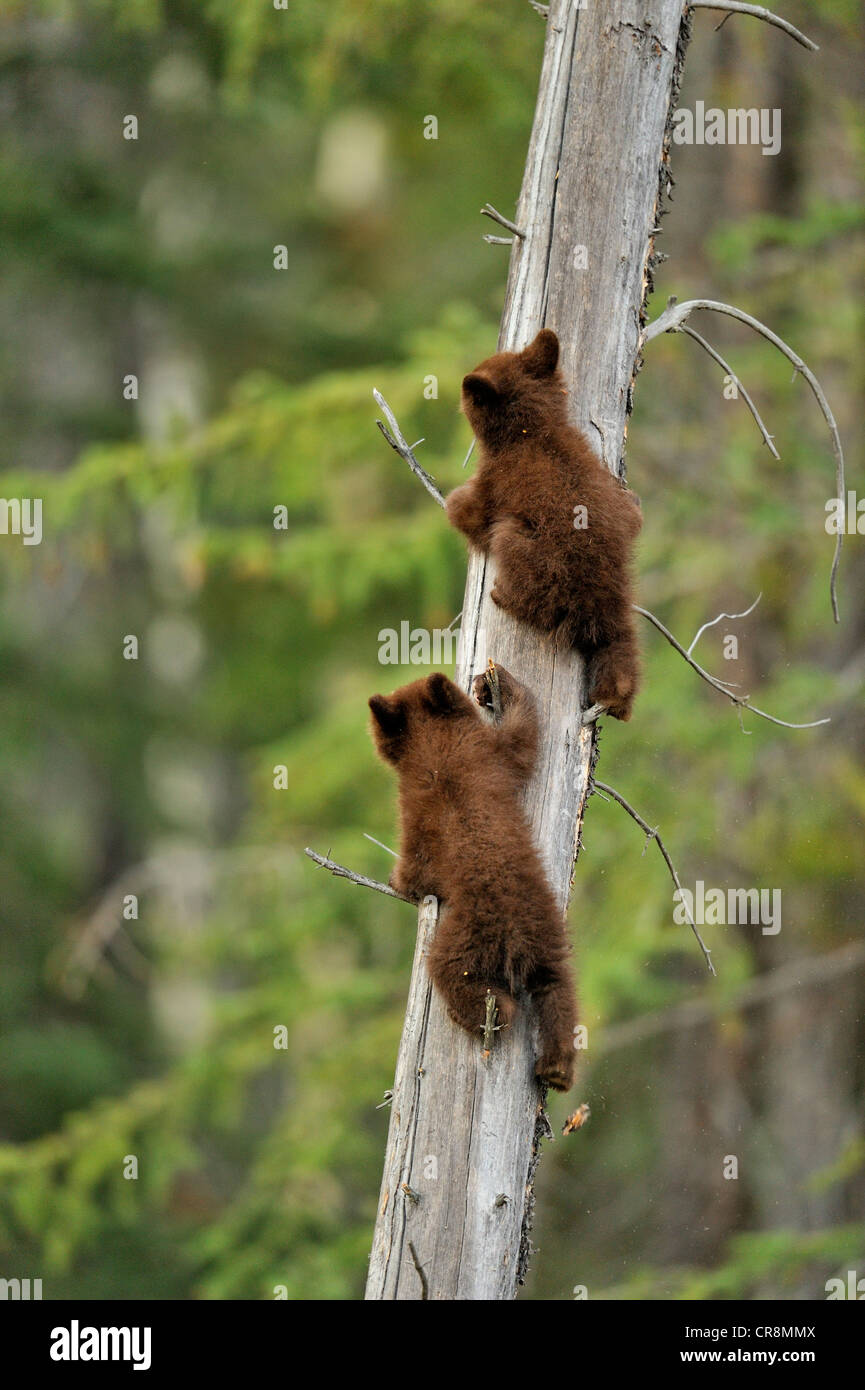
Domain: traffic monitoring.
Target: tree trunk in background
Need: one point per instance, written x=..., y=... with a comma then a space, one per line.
x=464, y=1135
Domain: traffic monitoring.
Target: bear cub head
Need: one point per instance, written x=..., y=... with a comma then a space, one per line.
x=398, y=720
x=512, y=394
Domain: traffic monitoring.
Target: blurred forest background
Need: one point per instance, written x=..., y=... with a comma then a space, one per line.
x=153, y=779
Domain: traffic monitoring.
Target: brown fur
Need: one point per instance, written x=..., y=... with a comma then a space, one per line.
x=534, y=469
x=465, y=839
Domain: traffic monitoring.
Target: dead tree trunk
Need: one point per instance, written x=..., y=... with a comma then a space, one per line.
x=456, y=1195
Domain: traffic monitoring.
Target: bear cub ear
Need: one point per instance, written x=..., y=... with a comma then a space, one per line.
x=479, y=390
x=388, y=714
x=541, y=357
x=442, y=696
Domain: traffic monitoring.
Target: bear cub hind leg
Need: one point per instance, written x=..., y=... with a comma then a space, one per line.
x=553, y=995
x=465, y=994
x=613, y=677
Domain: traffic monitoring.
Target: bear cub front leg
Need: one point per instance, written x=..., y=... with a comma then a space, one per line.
x=466, y=510
x=517, y=729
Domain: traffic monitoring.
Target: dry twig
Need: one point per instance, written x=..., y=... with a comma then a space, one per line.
x=713, y=621
x=489, y=211
x=380, y=845
x=673, y=319
x=424, y=1286
x=758, y=12
x=741, y=701
x=339, y=871
x=767, y=437
x=490, y=1026
x=652, y=834
x=399, y=444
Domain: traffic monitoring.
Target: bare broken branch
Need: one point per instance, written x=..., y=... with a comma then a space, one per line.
x=340, y=871
x=489, y=211
x=758, y=12
x=489, y=1025
x=767, y=437
x=713, y=621
x=380, y=845
x=652, y=834
x=424, y=1284
x=397, y=442
x=672, y=320
x=741, y=701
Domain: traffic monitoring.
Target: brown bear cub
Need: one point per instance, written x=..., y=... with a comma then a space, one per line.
x=559, y=527
x=465, y=838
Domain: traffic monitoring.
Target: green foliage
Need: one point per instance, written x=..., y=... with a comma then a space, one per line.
x=776, y=1260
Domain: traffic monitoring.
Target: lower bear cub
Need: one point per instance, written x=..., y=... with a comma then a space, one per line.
x=465, y=838
x=558, y=525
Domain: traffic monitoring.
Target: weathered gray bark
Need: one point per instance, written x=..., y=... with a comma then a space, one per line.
x=464, y=1133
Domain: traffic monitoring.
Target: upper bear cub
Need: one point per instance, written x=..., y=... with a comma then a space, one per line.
x=535, y=469
x=465, y=839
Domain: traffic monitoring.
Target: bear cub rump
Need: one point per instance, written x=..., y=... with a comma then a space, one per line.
x=558, y=525
x=464, y=837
